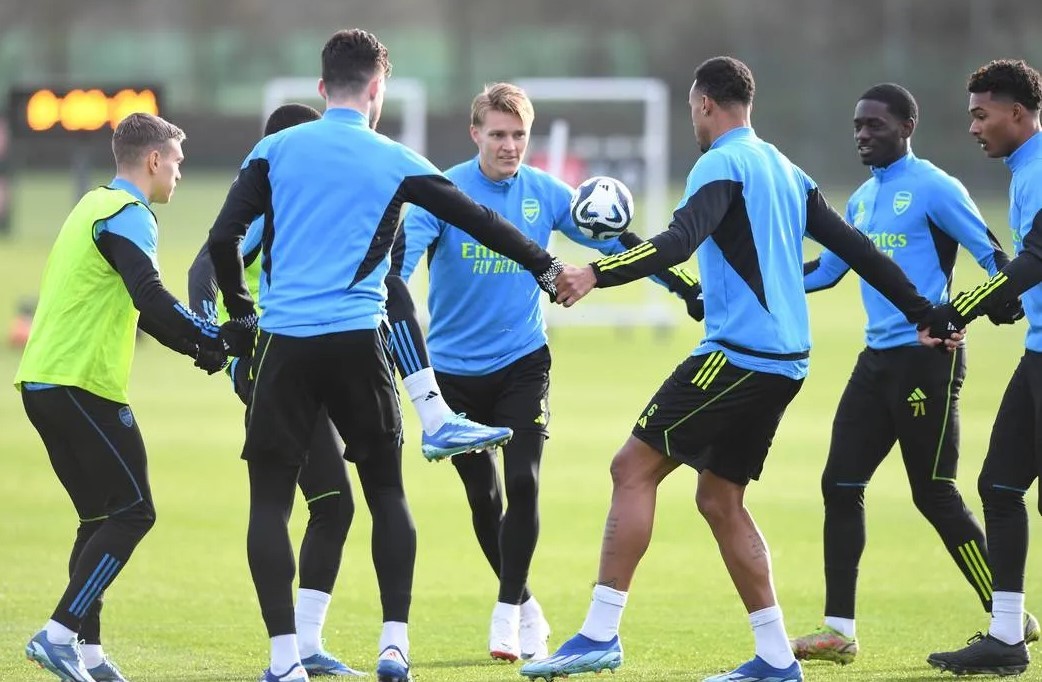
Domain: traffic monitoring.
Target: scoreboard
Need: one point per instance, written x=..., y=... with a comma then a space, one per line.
x=72, y=112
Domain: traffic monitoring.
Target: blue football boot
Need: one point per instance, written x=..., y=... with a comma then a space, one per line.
x=458, y=435
x=757, y=670
x=579, y=654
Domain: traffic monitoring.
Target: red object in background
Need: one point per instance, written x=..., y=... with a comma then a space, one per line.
x=21, y=323
x=573, y=171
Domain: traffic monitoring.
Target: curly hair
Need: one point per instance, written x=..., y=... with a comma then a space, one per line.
x=350, y=58
x=725, y=80
x=1014, y=79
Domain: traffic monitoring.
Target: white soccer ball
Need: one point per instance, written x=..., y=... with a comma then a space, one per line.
x=602, y=207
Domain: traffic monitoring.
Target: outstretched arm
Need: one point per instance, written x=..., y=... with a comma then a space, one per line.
x=826, y=226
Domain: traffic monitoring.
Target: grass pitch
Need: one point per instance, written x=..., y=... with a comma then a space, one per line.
x=184, y=609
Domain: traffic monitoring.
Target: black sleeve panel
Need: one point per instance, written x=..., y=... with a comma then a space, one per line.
x=163, y=316
x=1022, y=273
x=692, y=224
x=830, y=230
x=1001, y=257
x=249, y=197
x=678, y=280
x=202, y=284
x=444, y=200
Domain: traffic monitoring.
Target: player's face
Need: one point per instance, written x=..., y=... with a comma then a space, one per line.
x=881, y=138
x=699, y=118
x=165, y=166
x=992, y=124
x=502, y=139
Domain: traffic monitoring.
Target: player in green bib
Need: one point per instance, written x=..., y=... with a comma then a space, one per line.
x=102, y=275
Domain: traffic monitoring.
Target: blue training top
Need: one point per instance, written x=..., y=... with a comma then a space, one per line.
x=746, y=209
x=485, y=311
x=1025, y=215
x=918, y=215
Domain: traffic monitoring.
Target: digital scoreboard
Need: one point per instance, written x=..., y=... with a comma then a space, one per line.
x=77, y=111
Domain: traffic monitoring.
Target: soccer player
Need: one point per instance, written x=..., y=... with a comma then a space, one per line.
x=744, y=213
x=1005, y=97
x=101, y=274
x=332, y=191
x=489, y=348
x=900, y=391
x=323, y=478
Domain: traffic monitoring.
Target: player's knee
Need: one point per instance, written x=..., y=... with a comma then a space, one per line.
x=137, y=519
x=717, y=505
x=334, y=513
x=522, y=488
x=838, y=496
x=637, y=465
x=937, y=498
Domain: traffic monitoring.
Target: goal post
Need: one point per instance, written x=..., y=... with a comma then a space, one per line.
x=409, y=93
x=653, y=306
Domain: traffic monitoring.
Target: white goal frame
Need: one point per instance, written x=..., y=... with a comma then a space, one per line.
x=410, y=92
x=657, y=309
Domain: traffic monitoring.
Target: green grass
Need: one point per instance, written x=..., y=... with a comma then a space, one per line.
x=185, y=609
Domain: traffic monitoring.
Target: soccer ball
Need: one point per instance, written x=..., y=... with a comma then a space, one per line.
x=602, y=207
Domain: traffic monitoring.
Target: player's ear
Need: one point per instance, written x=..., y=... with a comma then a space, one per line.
x=475, y=134
x=707, y=105
x=322, y=88
x=152, y=161
x=1018, y=111
x=374, y=87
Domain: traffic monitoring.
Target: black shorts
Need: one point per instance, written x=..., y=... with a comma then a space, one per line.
x=95, y=448
x=515, y=396
x=1014, y=458
x=294, y=377
x=908, y=395
x=714, y=416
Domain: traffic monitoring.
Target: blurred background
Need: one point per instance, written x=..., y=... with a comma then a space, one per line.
x=811, y=58
x=69, y=69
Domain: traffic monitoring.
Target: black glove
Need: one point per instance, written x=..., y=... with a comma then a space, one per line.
x=943, y=321
x=1007, y=313
x=239, y=371
x=696, y=306
x=546, y=278
x=210, y=361
x=237, y=335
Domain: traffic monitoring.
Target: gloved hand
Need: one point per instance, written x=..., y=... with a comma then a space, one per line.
x=1007, y=313
x=237, y=335
x=696, y=305
x=547, y=278
x=210, y=361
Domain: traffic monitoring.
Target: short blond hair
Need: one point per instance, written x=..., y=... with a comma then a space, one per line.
x=139, y=134
x=504, y=97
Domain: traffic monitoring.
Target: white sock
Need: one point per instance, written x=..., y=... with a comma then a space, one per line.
x=605, y=614
x=772, y=644
x=284, y=654
x=531, y=610
x=1007, y=617
x=310, y=617
x=58, y=633
x=93, y=655
x=425, y=395
x=508, y=612
x=844, y=626
x=395, y=634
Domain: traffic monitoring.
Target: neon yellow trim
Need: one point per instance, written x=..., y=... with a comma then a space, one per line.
x=322, y=496
x=711, y=377
x=702, y=407
x=706, y=366
x=983, y=585
x=944, y=424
